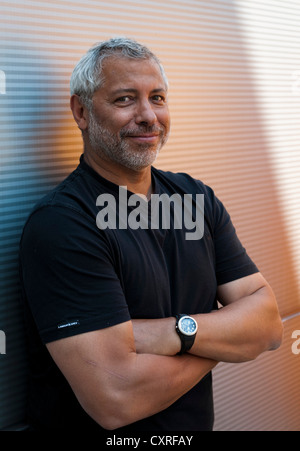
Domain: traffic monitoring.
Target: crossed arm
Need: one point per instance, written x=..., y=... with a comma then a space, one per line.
x=247, y=325
x=131, y=371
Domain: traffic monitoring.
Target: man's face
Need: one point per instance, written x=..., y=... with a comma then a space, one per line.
x=130, y=121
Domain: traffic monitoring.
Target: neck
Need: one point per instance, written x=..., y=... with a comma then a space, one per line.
x=138, y=182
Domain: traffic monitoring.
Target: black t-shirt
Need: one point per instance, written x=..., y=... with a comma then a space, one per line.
x=77, y=277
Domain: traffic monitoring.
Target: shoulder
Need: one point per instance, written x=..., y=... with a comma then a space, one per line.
x=182, y=180
x=70, y=192
x=54, y=228
x=183, y=183
x=215, y=211
x=70, y=200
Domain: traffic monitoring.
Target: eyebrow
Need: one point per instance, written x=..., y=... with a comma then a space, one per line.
x=133, y=90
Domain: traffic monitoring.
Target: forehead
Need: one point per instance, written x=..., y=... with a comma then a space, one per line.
x=122, y=72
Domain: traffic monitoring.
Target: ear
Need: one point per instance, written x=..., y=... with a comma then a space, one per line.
x=80, y=112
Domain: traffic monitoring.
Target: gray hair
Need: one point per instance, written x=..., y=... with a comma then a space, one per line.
x=87, y=75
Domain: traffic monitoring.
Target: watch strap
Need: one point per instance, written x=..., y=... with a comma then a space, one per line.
x=186, y=341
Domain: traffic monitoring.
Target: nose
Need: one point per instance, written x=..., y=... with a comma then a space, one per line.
x=145, y=114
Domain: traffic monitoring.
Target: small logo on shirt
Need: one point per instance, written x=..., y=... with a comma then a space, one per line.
x=72, y=323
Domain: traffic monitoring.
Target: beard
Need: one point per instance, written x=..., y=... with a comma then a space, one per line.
x=115, y=146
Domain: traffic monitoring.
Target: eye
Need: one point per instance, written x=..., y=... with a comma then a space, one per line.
x=159, y=99
x=124, y=99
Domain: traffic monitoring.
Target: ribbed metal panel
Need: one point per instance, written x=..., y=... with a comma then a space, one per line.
x=263, y=395
x=234, y=78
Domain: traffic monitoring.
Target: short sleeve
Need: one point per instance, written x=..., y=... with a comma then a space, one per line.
x=232, y=259
x=68, y=274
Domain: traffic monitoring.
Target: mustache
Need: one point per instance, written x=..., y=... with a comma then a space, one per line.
x=140, y=131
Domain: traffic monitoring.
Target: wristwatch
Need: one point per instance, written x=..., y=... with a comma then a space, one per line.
x=186, y=327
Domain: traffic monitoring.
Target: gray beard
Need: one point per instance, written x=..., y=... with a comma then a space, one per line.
x=117, y=149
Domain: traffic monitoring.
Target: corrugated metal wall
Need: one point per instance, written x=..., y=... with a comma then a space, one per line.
x=234, y=71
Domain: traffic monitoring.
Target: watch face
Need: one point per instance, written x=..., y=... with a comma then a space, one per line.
x=187, y=325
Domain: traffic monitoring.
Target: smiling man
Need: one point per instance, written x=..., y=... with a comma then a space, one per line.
x=127, y=121
x=123, y=323
x=115, y=131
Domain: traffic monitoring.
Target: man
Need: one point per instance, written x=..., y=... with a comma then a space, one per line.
x=123, y=321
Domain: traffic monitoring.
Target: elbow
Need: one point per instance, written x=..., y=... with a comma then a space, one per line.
x=116, y=419
x=275, y=335
x=275, y=327
x=271, y=338
x=271, y=325
x=113, y=414
x=109, y=419
x=271, y=328
x=111, y=423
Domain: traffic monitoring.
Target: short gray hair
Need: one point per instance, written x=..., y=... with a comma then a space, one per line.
x=87, y=74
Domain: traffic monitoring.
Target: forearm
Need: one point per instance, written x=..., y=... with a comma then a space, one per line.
x=155, y=382
x=117, y=386
x=236, y=333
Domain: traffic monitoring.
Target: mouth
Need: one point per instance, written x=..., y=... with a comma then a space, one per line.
x=145, y=138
